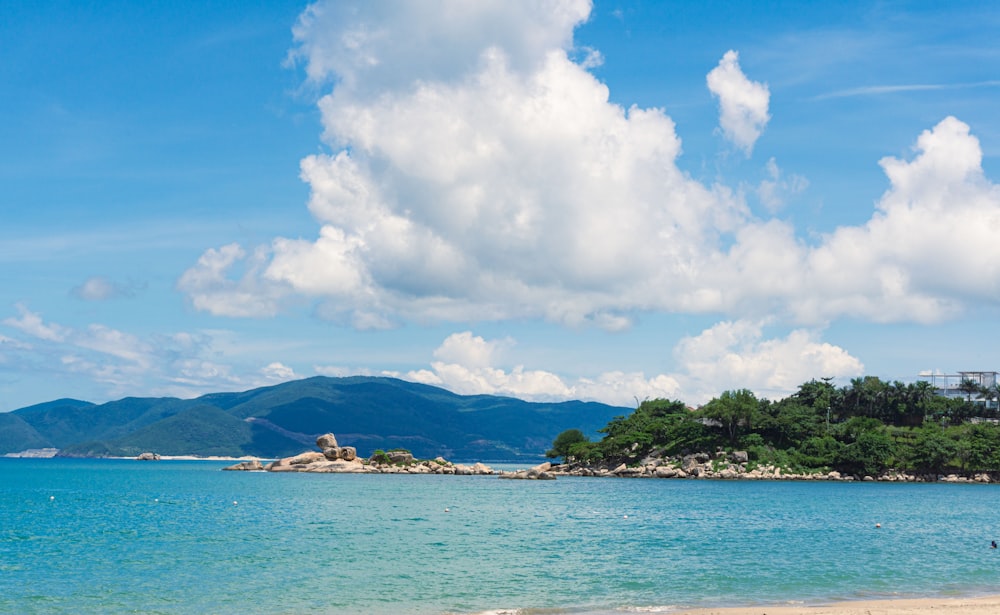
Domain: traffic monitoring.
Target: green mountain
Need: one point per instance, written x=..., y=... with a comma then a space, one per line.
x=367, y=413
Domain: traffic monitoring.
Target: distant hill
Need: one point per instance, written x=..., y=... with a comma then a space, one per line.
x=364, y=412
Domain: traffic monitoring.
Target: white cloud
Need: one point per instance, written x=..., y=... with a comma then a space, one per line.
x=490, y=177
x=12, y=343
x=775, y=191
x=181, y=364
x=278, y=372
x=100, y=288
x=115, y=343
x=32, y=324
x=743, y=104
x=340, y=371
x=469, y=350
x=930, y=245
x=512, y=188
x=735, y=355
x=386, y=45
x=95, y=289
x=9, y=346
x=200, y=373
x=210, y=288
x=729, y=355
x=485, y=380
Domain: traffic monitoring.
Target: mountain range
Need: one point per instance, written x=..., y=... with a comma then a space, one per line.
x=368, y=413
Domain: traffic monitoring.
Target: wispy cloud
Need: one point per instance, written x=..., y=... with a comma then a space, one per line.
x=123, y=363
x=878, y=90
x=100, y=288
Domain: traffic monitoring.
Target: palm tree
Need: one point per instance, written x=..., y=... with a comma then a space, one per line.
x=969, y=386
x=922, y=392
x=990, y=393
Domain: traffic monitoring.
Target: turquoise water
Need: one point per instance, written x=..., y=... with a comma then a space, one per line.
x=117, y=536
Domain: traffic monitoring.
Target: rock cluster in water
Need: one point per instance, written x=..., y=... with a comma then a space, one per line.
x=539, y=472
x=332, y=458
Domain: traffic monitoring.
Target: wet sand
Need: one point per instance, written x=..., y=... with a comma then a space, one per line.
x=987, y=605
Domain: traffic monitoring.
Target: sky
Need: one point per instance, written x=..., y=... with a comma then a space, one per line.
x=606, y=200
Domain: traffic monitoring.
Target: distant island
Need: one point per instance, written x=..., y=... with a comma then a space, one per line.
x=369, y=413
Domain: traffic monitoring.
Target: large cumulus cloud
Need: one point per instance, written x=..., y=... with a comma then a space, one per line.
x=488, y=176
x=929, y=248
x=501, y=185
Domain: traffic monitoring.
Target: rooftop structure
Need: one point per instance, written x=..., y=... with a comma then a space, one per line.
x=954, y=385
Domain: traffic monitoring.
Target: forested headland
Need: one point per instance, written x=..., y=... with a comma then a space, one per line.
x=864, y=429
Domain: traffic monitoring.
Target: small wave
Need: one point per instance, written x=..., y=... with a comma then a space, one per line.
x=525, y=611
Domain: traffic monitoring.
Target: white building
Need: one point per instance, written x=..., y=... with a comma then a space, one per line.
x=951, y=385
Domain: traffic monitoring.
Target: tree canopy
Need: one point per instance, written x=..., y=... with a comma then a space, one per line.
x=864, y=428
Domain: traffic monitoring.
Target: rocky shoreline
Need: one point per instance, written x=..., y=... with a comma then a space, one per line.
x=721, y=466
x=736, y=466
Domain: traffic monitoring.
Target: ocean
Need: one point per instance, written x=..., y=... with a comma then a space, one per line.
x=178, y=537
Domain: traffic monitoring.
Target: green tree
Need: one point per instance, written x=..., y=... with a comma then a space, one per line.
x=979, y=447
x=563, y=445
x=734, y=410
x=789, y=422
x=871, y=453
x=587, y=452
x=932, y=450
x=653, y=423
x=819, y=452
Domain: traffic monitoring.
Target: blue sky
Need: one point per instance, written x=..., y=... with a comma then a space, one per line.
x=612, y=201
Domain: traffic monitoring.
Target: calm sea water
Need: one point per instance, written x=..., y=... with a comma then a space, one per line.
x=116, y=536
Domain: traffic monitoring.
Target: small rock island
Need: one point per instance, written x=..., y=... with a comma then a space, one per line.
x=332, y=458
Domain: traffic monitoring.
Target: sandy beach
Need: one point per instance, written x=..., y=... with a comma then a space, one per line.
x=987, y=605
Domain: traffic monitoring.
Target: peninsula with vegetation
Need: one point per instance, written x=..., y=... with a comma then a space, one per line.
x=868, y=430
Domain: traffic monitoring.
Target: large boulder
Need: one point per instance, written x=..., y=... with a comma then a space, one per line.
x=339, y=467
x=252, y=465
x=345, y=453
x=665, y=472
x=327, y=440
x=148, y=457
x=302, y=459
x=399, y=456
x=539, y=469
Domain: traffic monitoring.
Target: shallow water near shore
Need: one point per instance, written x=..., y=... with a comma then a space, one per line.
x=122, y=536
